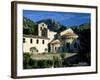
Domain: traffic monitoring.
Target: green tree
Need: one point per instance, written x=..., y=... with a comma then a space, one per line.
x=26, y=58
x=63, y=55
x=29, y=27
x=56, y=62
x=85, y=46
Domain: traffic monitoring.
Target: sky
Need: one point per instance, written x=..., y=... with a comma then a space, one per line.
x=65, y=18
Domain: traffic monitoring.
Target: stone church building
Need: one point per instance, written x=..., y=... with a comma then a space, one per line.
x=49, y=41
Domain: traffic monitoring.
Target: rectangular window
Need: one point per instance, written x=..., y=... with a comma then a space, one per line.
x=68, y=44
x=37, y=41
x=42, y=41
x=23, y=40
x=55, y=48
x=41, y=28
x=30, y=40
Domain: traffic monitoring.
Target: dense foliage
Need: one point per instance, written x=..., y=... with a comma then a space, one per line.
x=29, y=27
x=29, y=63
x=84, y=50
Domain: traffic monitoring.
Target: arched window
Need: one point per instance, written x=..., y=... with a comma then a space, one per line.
x=55, y=48
x=42, y=24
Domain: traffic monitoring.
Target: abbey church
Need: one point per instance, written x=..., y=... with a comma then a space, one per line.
x=49, y=41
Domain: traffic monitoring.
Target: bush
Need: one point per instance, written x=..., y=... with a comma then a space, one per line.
x=48, y=63
x=29, y=63
x=63, y=55
x=45, y=63
x=26, y=58
x=66, y=64
x=56, y=62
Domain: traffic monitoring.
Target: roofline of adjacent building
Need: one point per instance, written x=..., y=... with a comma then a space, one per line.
x=35, y=36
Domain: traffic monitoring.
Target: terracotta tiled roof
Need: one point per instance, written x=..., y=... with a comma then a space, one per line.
x=68, y=32
x=56, y=41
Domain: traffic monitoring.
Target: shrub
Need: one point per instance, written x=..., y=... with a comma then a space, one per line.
x=45, y=63
x=56, y=61
x=63, y=55
x=66, y=64
x=48, y=63
x=34, y=64
x=29, y=63
x=26, y=58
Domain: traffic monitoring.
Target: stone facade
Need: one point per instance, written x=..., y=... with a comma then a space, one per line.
x=46, y=41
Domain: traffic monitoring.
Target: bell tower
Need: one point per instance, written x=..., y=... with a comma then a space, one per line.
x=42, y=30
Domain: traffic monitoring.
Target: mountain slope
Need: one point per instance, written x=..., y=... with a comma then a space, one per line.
x=53, y=25
x=29, y=27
